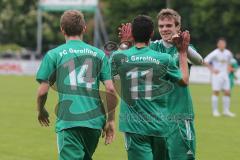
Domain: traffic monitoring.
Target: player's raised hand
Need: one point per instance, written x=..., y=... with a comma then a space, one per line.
x=43, y=117
x=185, y=40
x=176, y=39
x=184, y=43
x=109, y=132
x=125, y=32
x=181, y=40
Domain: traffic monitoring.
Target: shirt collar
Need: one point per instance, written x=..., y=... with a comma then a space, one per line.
x=166, y=44
x=73, y=41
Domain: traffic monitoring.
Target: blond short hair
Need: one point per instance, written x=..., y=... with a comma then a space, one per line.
x=170, y=14
x=72, y=22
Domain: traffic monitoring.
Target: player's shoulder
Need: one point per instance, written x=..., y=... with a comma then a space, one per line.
x=215, y=51
x=156, y=42
x=53, y=53
x=124, y=52
x=233, y=61
x=228, y=52
x=119, y=52
x=97, y=51
x=161, y=56
x=118, y=55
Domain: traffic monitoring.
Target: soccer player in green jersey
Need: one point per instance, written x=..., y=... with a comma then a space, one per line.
x=146, y=78
x=181, y=138
x=76, y=69
x=232, y=69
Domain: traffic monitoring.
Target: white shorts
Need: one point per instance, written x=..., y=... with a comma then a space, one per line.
x=220, y=82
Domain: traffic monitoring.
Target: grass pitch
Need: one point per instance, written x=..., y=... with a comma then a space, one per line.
x=22, y=138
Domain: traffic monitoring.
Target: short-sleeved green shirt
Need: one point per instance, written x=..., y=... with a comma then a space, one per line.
x=234, y=64
x=76, y=68
x=180, y=100
x=146, y=77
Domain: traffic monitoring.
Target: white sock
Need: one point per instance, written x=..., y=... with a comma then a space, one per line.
x=215, y=103
x=226, y=103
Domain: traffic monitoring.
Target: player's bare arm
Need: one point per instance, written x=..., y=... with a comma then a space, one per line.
x=182, y=46
x=43, y=116
x=109, y=129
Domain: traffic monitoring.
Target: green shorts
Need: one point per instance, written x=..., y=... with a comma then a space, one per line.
x=78, y=143
x=181, y=141
x=140, y=147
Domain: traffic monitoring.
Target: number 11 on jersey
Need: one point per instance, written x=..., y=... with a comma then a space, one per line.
x=135, y=76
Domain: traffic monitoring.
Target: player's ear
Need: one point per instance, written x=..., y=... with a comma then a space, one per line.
x=84, y=29
x=63, y=32
x=152, y=34
x=178, y=27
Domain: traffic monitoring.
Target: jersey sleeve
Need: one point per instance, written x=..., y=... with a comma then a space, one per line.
x=193, y=56
x=152, y=45
x=173, y=72
x=156, y=46
x=234, y=63
x=47, y=70
x=230, y=56
x=210, y=57
x=105, y=73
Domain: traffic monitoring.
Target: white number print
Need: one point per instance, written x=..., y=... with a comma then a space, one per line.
x=84, y=75
x=134, y=75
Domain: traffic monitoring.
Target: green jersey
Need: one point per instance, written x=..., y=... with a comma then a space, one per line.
x=179, y=101
x=234, y=65
x=146, y=77
x=75, y=69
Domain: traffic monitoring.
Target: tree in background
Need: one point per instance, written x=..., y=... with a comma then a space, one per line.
x=207, y=20
x=18, y=22
x=212, y=19
x=122, y=11
x=18, y=25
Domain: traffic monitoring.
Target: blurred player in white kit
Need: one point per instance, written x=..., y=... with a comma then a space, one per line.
x=218, y=62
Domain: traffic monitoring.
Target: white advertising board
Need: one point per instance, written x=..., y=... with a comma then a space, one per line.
x=198, y=74
x=88, y=5
x=202, y=75
x=18, y=67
